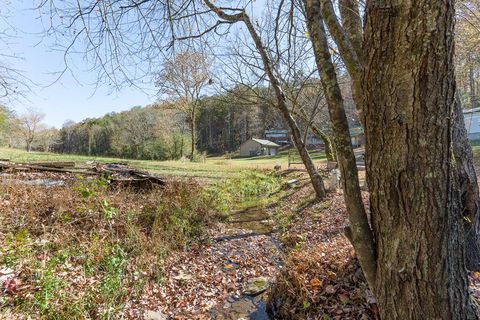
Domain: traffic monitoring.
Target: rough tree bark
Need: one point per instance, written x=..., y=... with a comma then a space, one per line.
x=417, y=216
x=347, y=37
x=282, y=106
x=467, y=187
x=360, y=232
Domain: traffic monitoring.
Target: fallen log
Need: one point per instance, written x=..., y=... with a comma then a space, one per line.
x=123, y=175
x=54, y=169
x=55, y=164
x=119, y=174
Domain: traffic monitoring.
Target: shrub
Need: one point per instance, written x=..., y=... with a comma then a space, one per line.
x=59, y=237
x=248, y=185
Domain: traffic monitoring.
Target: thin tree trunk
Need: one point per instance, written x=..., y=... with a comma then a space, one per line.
x=352, y=23
x=210, y=131
x=467, y=187
x=89, y=142
x=315, y=177
x=347, y=47
x=193, y=134
x=360, y=233
x=329, y=150
x=473, y=91
x=182, y=145
x=416, y=214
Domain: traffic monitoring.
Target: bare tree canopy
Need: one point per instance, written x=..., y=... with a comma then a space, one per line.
x=182, y=80
x=13, y=83
x=30, y=123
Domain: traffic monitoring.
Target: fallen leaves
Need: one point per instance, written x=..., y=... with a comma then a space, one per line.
x=322, y=279
x=209, y=279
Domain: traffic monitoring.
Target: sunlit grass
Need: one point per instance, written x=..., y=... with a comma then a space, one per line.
x=213, y=167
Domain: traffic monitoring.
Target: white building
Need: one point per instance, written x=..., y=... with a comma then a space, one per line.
x=257, y=147
x=472, y=123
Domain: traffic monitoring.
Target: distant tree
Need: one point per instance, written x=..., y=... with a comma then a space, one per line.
x=467, y=54
x=30, y=123
x=134, y=129
x=7, y=125
x=183, y=80
x=46, y=139
x=292, y=57
x=65, y=134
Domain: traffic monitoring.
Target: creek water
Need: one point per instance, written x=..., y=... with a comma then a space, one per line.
x=256, y=221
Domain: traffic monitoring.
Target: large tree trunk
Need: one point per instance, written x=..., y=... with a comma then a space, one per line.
x=350, y=45
x=417, y=217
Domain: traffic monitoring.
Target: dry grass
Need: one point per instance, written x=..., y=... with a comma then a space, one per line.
x=85, y=250
x=212, y=168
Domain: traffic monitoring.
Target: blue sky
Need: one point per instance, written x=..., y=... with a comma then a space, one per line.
x=66, y=98
x=74, y=96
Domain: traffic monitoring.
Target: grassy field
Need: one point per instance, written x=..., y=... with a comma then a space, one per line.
x=213, y=167
x=476, y=154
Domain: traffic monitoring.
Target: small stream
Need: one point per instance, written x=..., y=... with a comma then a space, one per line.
x=257, y=221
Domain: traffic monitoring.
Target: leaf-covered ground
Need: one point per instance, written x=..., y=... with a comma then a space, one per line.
x=312, y=262
x=80, y=251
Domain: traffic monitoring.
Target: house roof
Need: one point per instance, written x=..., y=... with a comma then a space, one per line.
x=266, y=143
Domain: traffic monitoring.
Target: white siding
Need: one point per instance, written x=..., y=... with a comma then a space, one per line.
x=472, y=123
x=249, y=147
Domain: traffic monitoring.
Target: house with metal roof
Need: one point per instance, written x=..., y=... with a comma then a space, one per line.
x=258, y=147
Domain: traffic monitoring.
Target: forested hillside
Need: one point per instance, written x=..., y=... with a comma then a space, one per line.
x=162, y=131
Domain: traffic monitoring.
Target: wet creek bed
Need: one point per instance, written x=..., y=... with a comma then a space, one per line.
x=213, y=280
x=228, y=278
x=255, y=221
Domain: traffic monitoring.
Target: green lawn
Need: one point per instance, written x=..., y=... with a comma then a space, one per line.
x=213, y=167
